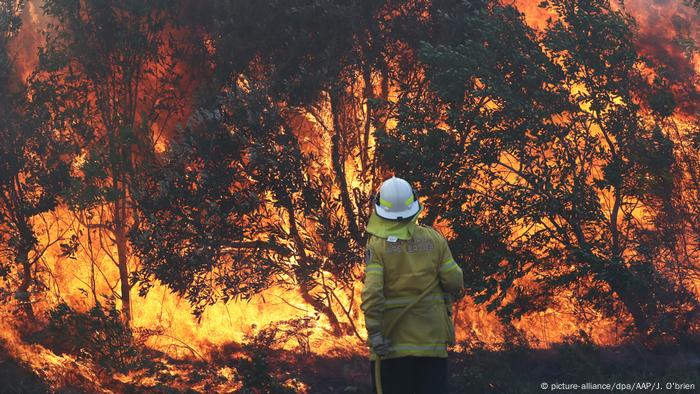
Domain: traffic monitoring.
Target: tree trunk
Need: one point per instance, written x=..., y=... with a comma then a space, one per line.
x=339, y=169
x=617, y=276
x=122, y=263
x=306, y=284
x=630, y=299
x=318, y=304
x=22, y=294
x=369, y=94
x=27, y=241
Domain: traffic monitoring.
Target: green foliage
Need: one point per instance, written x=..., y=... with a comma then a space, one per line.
x=662, y=102
x=33, y=166
x=195, y=210
x=10, y=19
x=486, y=93
x=301, y=47
x=693, y=3
x=512, y=137
x=108, y=72
x=109, y=77
x=277, y=213
x=99, y=335
x=515, y=138
x=262, y=370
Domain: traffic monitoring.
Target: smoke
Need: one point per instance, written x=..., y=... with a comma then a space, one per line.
x=669, y=35
x=25, y=46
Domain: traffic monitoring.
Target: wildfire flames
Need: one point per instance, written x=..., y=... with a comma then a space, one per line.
x=667, y=30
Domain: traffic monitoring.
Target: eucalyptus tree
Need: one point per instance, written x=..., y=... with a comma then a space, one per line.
x=34, y=170
x=296, y=94
x=534, y=153
x=544, y=164
x=111, y=71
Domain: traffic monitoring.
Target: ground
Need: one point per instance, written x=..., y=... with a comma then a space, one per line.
x=517, y=370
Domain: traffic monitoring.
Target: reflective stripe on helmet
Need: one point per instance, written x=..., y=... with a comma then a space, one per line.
x=385, y=203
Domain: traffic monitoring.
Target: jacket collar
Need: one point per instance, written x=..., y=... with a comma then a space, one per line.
x=384, y=228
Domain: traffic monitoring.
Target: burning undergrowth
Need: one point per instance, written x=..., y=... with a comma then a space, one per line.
x=260, y=364
x=94, y=351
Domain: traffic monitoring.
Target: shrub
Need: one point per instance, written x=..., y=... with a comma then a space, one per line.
x=98, y=335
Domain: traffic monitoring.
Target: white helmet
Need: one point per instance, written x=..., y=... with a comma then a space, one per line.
x=396, y=200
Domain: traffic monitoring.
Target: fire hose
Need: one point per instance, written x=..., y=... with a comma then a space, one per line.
x=390, y=328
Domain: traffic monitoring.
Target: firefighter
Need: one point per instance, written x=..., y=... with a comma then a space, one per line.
x=403, y=260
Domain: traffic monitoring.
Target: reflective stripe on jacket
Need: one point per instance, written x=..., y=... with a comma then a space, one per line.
x=396, y=272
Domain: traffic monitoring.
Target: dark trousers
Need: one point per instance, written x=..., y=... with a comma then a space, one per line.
x=412, y=375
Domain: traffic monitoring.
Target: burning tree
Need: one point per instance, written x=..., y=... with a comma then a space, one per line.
x=285, y=160
x=544, y=161
x=542, y=155
x=34, y=171
x=108, y=73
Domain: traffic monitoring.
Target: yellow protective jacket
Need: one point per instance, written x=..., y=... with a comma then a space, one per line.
x=402, y=260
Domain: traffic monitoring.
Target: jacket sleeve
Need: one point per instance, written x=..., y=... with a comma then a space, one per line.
x=451, y=277
x=373, y=292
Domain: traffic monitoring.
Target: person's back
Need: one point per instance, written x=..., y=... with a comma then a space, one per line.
x=403, y=259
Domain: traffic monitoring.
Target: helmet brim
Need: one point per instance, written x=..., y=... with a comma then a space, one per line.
x=408, y=213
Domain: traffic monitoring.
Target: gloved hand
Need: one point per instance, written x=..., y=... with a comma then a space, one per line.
x=379, y=344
